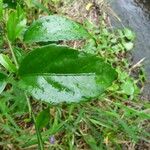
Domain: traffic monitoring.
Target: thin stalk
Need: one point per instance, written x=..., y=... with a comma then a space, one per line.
x=12, y=52
x=39, y=137
x=29, y=106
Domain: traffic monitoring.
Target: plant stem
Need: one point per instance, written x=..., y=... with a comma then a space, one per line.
x=39, y=137
x=29, y=106
x=12, y=52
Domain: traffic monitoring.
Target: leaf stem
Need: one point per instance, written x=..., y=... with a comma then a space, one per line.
x=39, y=137
x=29, y=106
x=12, y=52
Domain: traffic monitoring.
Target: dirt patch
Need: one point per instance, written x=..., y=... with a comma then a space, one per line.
x=81, y=10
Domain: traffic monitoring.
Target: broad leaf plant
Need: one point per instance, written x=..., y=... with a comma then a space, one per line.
x=53, y=73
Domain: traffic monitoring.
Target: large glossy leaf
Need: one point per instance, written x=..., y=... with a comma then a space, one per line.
x=54, y=28
x=60, y=74
x=2, y=82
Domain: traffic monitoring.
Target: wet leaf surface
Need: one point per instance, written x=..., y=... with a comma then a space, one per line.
x=55, y=28
x=58, y=74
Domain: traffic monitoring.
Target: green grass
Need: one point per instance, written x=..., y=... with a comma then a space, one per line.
x=117, y=119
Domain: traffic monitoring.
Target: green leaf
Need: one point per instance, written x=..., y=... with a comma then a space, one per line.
x=90, y=47
x=129, y=34
x=19, y=53
x=60, y=74
x=40, y=6
x=43, y=118
x=7, y=63
x=2, y=82
x=55, y=28
x=89, y=139
x=10, y=3
x=16, y=24
x=1, y=9
x=11, y=25
x=128, y=45
x=128, y=87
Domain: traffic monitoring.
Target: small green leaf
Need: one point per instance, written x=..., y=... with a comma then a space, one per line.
x=55, y=28
x=129, y=34
x=40, y=6
x=19, y=53
x=90, y=47
x=43, y=118
x=128, y=45
x=1, y=9
x=89, y=139
x=128, y=87
x=11, y=25
x=7, y=63
x=122, y=75
x=16, y=24
x=58, y=74
x=2, y=82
